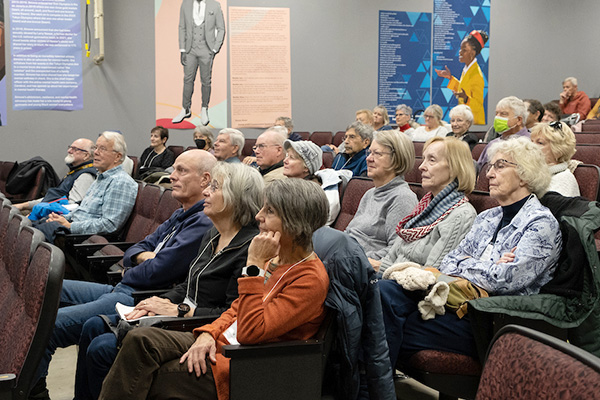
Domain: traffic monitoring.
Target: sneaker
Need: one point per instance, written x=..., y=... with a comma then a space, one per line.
x=204, y=116
x=183, y=114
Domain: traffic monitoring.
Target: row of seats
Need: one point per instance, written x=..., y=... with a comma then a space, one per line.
x=31, y=273
x=35, y=190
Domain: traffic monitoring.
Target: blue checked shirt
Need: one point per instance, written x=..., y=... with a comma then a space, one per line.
x=107, y=203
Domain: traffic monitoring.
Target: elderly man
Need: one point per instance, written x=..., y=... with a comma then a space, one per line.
x=535, y=112
x=159, y=261
x=511, y=115
x=354, y=156
x=77, y=181
x=572, y=101
x=109, y=200
x=288, y=124
x=270, y=153
x=229, y=145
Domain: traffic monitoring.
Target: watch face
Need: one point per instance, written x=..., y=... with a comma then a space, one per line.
x=183, y=309
x=252, y=270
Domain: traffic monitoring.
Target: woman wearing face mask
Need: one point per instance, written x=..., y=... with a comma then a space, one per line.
x=511, y=115
x=203, y=138
x=157, y=157
x=461, y=119
x=469, y=89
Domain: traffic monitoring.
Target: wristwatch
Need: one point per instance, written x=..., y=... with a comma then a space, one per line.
x=182, y=309
x=252, y=270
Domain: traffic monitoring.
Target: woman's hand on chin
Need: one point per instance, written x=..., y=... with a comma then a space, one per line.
x=263, y=247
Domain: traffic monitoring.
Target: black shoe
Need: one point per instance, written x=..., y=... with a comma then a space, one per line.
x=39, y=391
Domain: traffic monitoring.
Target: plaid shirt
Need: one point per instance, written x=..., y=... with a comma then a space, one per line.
x=107, y=203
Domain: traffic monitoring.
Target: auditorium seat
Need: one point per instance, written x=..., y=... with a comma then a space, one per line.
x=355, y=190
x=588, y=154
x=477, y=150
x=327, y=159
x=303, y=135
x=247, y=150
x=414, y=175
x=338, y=138
x=588, y=179
x=419, y=148
x=588, y=137
x=177, y=150
x=482, y=201
x=321, y=138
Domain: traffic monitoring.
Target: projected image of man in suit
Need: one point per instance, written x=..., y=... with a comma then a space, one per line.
x=201, y=35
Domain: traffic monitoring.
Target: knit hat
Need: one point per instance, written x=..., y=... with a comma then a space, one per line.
x=311, y=154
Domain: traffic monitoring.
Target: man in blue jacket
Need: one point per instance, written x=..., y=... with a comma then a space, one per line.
x=357, y=140
x=159, y=261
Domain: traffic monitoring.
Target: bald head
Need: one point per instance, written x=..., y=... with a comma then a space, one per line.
x=269, y=147
x=191, y=175
x=79, y=152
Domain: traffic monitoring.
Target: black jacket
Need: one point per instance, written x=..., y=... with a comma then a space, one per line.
x=360, y=343
x=212, y=278
x=22, y=176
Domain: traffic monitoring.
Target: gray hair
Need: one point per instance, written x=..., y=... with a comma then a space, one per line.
x=362, y=130
x=464, y=111
x=207, y=133
x=287, y=122
x=531, y=163
x=281, y=134
x=235, y=137
x=405, y=109
x=571, y=79
x=403, y=150
x=118, y=142
x=242, y=190
x=516, y=105
x=302, y=206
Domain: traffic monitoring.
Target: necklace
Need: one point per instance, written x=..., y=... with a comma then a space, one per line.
x=288, y=270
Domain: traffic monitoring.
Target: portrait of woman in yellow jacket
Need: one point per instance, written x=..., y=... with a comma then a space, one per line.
x=469, y=89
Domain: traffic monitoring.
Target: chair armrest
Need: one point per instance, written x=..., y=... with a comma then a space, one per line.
x=99, y=261
x=186, y=324
x=272, y=349
x=140, y=295
x=7, y=382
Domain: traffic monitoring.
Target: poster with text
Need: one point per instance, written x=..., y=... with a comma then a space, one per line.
x=46, y=54
x=452, y=22
x=2, y=67
x=404, y=60
x=170, y=95
x=260, y=66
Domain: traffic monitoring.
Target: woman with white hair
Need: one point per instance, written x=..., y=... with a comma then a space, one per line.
x=461, y=119
x=433, y=125
x=557, y=142
x=403, y=117
x=510, y=250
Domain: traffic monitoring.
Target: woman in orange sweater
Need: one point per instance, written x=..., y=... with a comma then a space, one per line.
x=281, y=295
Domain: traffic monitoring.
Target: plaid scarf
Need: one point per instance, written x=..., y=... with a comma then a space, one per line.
x=429, y=212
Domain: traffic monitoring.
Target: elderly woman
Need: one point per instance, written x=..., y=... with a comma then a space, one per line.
x=365, y=116
x=282, y=290
x=433, y=125
x=551, y=112
x=510, y=250
x=203, y=138
x=381, y=119
x=557, y=142
x=157, y=157
x=461, y=119
x=403, y=117
x=444, y=215
x=303, y=160
x=469, y=89
x=391, y=155
x=232, y=200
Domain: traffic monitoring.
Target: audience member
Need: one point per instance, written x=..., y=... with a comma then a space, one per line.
x=203, y=138
x=573, y=101
x=510, y=250
x=535, y=112
x=381, y=120
x=433, y=125
x=511, y=115
x=444, y=215
x=229, y=145
x=403, y=117
x=557, y=142
x=282, y=291
x=270, y=153
x=157, y=157
x=469, y=89
x=551, y=112
x=381, y=208
x=303, y=160
x=461, y=119
x=365, y=116
x=289, y=125
x=159, y=261
x=109, y=200
x=75, y=184
x=232, y=200
x=356, y=142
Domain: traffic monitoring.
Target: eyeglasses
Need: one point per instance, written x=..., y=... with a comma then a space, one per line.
x=428, y=116
x=499, y=165
x=101, y=149
x=214, y=186
x=76, y=149
x=377, y=154
x=262, y=146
